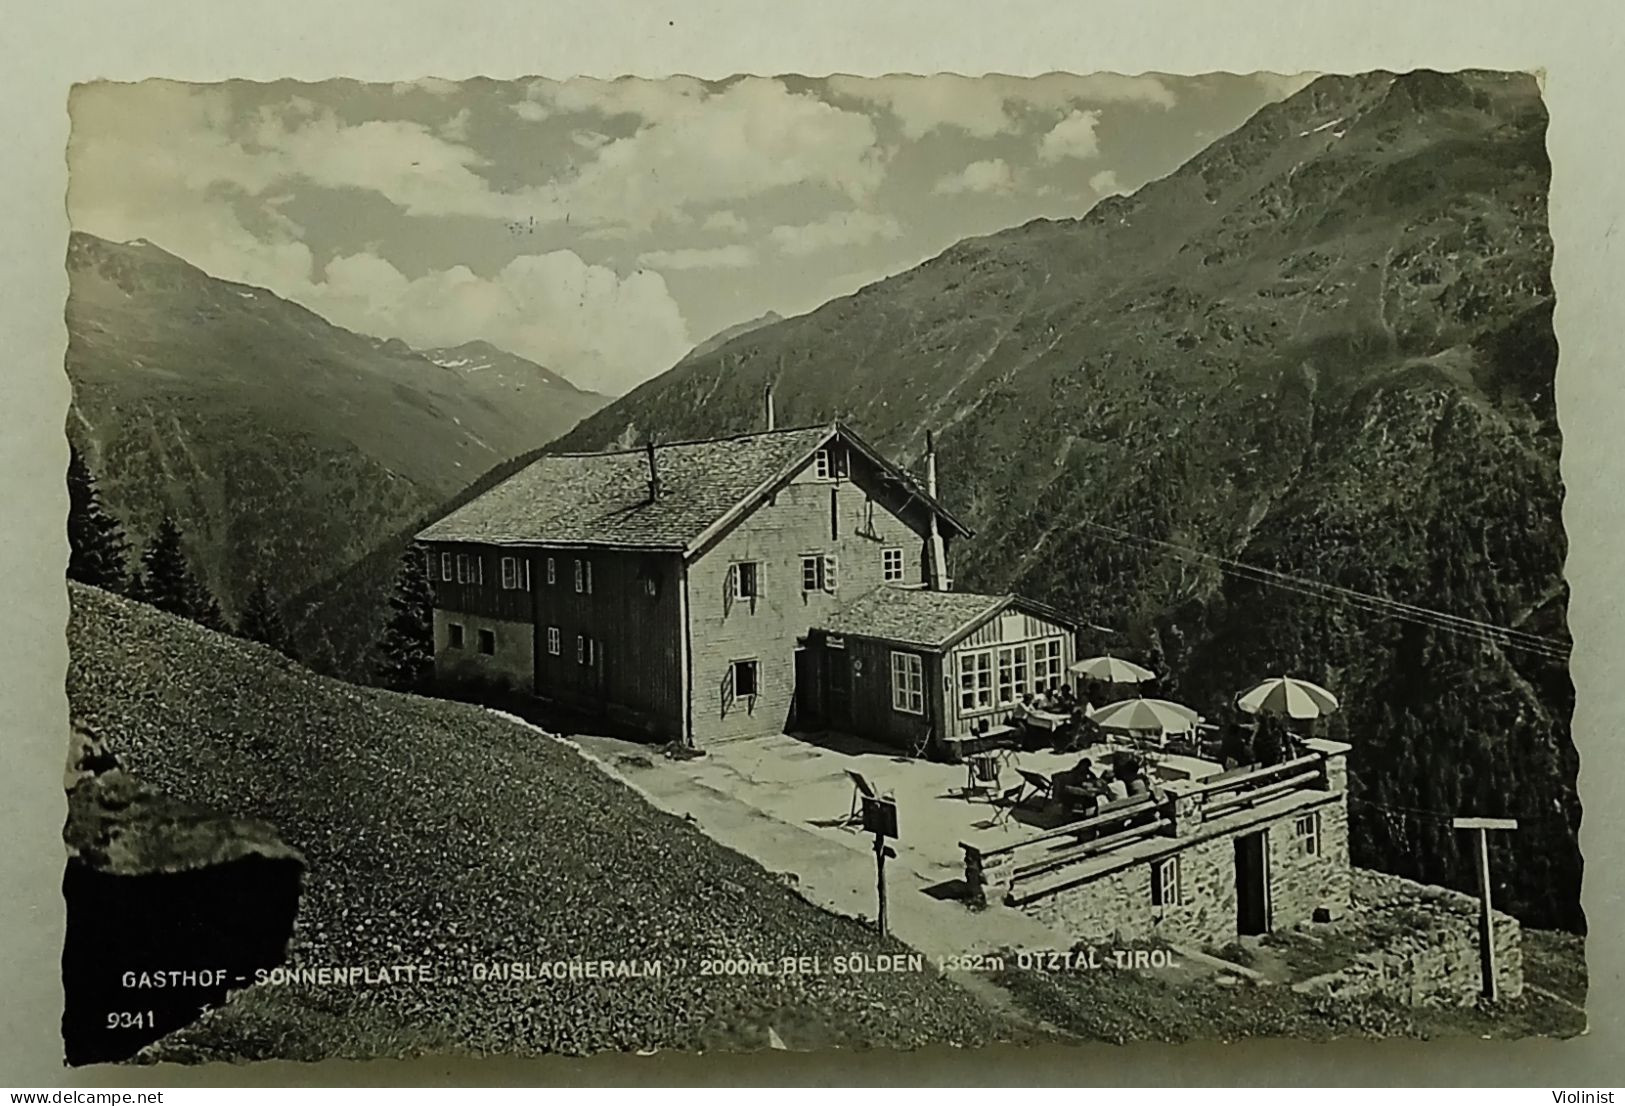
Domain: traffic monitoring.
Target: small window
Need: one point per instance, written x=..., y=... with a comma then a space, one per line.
x=745, y=575
x=908, y=683
x=891, y=564
x=462, y=568
x=552, y=572
x=445, y=566
x=553, y=640
x=745, y=679
x=455, y=632
x=583, y=577
x=1306, y=831
x=1165, y=882
x=510, y=573
x=830, y=464
x=525, y=564
x=487, y=642
x=586, y=650
x=975, y=681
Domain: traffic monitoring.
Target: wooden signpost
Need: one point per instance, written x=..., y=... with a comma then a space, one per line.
x=880, y=819
x=1486, y=930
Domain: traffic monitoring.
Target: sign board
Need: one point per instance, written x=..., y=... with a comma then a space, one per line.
x=880, y=816
x=1486, y=823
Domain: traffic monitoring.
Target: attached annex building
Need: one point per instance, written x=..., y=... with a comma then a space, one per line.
x=673, y=587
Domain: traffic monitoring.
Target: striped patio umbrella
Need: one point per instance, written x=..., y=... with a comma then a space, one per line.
x=1112, y=670
x=1134, y=716
x=1289, y=697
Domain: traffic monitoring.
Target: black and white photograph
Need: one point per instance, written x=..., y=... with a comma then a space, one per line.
x=804, y=562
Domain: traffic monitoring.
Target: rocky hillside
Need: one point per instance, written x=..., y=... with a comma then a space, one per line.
x=443, y=834
x=285, y=446
x=1323, y=346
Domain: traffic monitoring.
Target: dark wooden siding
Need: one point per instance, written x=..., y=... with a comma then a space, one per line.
x=489, y=598
x=873, y=714
x=637, y=669
x=636, y=675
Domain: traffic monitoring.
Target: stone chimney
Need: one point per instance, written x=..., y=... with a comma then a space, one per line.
x=767, y=407
x=939, y=548
x=654, y=473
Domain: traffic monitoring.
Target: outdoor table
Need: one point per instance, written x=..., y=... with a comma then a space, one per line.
x=999, y=737
x=1046, y=719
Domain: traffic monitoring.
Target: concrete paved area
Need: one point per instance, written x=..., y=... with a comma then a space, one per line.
x=783, y=801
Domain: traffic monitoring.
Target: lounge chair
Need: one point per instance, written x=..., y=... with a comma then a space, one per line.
x=861, y=789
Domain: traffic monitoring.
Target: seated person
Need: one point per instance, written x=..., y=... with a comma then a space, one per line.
x=1066, y=702
x=1115, y=788
x=1039, y=698
x=1018, y=713
x=1138, y=786
x=1075, y=793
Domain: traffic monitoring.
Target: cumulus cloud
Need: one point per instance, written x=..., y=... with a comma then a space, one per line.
x=986, y=106
x=1105, y=183
x=843, y=228
x=725, y=222
x=157, y=161
x=552, y=307
x=992, y=175
x=1072, y=137
x=719, y=257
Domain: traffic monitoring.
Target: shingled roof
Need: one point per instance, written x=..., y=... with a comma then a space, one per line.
x=603, y=498
x=915, y=616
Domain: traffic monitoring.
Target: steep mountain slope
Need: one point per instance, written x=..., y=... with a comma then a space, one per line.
x=285, y=446
x=444, y=835
x=729, y=333
x=1323, y=346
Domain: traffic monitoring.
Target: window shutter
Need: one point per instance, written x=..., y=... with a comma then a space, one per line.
x=832, y=565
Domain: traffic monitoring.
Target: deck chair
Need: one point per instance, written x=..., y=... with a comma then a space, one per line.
x=1041, y=784
x=861, y=789
x=1009, y=801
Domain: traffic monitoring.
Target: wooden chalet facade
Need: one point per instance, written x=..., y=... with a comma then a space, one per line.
x=672, y=588
x=910, y=667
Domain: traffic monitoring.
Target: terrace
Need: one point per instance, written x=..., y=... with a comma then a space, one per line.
x=1135, y=830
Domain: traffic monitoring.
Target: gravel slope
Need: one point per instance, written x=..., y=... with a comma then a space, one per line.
x=436, y=832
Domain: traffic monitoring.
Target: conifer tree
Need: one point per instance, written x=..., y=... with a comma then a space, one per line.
x=167, y=581
x=261, y=622
x=98, y=552
x=406, y=651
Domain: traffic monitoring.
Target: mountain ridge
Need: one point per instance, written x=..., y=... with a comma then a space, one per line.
x=285, y=446
x=1300, y=351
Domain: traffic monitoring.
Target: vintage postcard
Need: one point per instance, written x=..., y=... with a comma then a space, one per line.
x=793, y=562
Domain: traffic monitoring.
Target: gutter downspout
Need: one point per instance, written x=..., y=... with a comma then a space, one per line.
x=939, y=549
x=685, y=645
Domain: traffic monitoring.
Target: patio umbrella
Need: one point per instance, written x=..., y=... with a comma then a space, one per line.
x=1287, y=696
x=1112, y=670
x=1145, y=716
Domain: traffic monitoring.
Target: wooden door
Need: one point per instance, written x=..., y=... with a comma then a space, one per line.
x=1252, y=884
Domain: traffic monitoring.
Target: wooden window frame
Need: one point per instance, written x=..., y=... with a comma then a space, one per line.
x=445, y=567
x=509, y=572
x=736, y=580
x=1012, y=679
x=890, y=572
x=1165, y=879
x=754, y=666
x=976, y=687
x=1053, y=672
x=555, y=643
x=1306, y=832
x=907, y=683
x=552, y=571
x=586, y=651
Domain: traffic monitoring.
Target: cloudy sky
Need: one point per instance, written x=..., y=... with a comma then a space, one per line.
x=603, y=228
